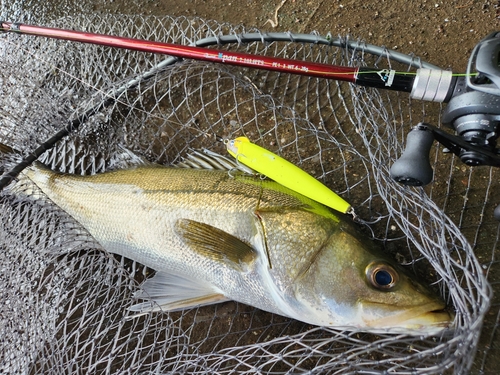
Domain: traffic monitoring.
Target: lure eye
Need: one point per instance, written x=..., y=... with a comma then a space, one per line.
x=381, y=275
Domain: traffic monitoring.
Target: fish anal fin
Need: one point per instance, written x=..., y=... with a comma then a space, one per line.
x=216, y=244
x=171, y=292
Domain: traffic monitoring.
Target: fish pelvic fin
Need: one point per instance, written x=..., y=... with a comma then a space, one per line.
x=171, y=292
x=216, y=244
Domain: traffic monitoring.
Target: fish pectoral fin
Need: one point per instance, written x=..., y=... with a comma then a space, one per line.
x=171, y=292
x=216, y=244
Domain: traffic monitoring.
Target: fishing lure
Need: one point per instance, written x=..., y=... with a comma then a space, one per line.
x=284, y=172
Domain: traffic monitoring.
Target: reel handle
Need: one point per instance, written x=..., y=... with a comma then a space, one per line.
x=413, y=168
x=496, y=213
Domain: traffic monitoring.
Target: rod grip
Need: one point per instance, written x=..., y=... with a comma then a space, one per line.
x=413, y=168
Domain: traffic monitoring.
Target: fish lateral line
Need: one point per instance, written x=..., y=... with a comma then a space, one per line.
x=285, y=173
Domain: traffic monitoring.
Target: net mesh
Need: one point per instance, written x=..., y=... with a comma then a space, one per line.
x=64, y=299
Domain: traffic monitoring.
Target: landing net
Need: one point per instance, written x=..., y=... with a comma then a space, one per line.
x=64, y=300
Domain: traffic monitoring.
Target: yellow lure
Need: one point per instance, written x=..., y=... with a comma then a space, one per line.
x=284, y=172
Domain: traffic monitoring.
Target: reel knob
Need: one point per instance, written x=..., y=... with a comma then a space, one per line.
x=496, y=213
x=413, y=168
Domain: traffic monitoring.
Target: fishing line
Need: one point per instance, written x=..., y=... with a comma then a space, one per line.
x=379, y=78
x=108, y=94
x=354, y=162
x=417, y=84
x=64, y=72
x=110, y=98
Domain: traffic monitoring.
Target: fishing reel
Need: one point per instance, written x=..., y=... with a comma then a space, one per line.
x=473, y=111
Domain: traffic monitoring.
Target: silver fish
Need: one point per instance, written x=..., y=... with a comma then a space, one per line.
x=212, y=236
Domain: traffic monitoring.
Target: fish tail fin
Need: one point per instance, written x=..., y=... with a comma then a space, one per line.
x=8, y=161
x=14, y=171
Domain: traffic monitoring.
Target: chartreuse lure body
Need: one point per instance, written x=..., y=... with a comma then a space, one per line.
x=284, y=172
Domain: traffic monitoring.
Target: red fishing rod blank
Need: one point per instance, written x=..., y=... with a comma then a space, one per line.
x=379, y=78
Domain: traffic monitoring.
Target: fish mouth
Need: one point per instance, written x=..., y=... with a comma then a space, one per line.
x=429, y=318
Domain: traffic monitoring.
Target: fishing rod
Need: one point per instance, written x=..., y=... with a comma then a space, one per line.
x=415, y=83
x=425, y=84
x=473, y=109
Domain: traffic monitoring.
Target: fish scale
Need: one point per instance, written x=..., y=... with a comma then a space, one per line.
x=214, y=236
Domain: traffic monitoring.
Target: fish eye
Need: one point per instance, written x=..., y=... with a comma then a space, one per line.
x=381, y=275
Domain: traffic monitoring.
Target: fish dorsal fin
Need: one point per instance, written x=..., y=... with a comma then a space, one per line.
x=216, y=244
x=206, y=159
x=126, y=158
x=171, y=292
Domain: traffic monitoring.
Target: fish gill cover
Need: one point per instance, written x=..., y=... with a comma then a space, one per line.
x=64, y=300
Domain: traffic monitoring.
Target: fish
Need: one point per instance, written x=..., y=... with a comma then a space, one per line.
x=213, y=235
